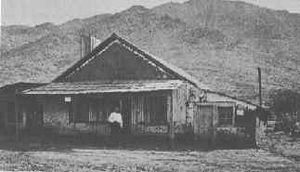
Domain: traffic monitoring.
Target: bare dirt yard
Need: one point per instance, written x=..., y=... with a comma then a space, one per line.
x=55, y=157
x=283, y=144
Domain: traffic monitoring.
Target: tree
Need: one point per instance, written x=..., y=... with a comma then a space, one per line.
x=286, y=106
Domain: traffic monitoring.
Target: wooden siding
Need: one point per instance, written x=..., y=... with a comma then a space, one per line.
x=141, y=115
x=204, y=120
x=25, y=107
x=160, y=66
x=57, y=117
x=137, y=114
x=180, y=99
x=3, y=118
x=118, y=63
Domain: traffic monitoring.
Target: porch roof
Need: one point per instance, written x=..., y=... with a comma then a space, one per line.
x=121, y=86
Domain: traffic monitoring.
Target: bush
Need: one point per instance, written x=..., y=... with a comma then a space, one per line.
x=286, y=106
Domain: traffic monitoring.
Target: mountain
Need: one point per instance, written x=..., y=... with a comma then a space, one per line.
x=220, y=42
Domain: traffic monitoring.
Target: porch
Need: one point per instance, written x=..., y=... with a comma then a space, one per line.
x=147, y=107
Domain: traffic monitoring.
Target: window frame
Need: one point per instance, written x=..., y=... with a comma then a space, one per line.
x=232, y=118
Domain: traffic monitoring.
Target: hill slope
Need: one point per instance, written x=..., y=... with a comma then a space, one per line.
x=221, y=43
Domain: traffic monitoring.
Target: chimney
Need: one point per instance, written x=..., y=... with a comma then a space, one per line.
x=87, y=44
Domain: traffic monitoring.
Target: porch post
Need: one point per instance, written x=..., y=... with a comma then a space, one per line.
x=170, y=114
x=17, y=115
x=214, y=125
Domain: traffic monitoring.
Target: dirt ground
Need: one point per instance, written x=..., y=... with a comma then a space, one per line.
x=65, y=154
x=86, y=158
x=283, y=144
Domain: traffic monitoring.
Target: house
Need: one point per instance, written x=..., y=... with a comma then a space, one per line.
x=155, y=98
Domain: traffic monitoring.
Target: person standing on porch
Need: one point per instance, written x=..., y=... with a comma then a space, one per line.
x=116, y=123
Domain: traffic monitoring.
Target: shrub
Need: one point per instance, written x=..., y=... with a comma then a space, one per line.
x=286, y=106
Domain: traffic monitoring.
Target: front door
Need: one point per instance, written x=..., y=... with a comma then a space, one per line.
x=203, y=121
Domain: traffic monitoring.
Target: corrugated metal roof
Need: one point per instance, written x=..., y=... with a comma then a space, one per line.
x=120, y=86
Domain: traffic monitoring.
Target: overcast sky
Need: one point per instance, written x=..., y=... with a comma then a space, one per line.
x=32, y=12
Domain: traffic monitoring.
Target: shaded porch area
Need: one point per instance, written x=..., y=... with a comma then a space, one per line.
x=147, y=107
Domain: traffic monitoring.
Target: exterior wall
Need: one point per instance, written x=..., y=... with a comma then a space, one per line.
x=203, y=124
x=56, y=118
x=243, y=129
x=20, y=106
x=3, y=120
x=56, y=114
x=206, y=124
x=140, y=117
x=4, y=99
x=176, y=117
x=180, y=98
x=118, y=63
x=9, y=126
x=244, y=132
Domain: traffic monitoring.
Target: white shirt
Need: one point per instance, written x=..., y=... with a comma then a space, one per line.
x=116, y=117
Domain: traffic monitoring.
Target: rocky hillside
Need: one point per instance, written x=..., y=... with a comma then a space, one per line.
x=220, y=42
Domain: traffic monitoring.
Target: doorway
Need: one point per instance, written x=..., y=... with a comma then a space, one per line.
x=203, y=121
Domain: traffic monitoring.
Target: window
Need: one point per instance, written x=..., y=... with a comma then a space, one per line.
x=156, y=109
x=87, y=111
x=225, y=115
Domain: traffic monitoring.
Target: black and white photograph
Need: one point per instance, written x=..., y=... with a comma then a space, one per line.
x=150, y=85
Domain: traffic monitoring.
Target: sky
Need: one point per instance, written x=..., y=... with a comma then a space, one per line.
x=33, y=12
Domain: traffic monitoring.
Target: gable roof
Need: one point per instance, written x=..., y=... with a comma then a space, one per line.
x=114, y=38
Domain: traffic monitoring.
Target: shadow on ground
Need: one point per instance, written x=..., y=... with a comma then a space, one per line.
x=67, y=143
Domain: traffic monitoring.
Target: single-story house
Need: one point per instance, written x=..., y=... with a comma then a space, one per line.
x=155, y=98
